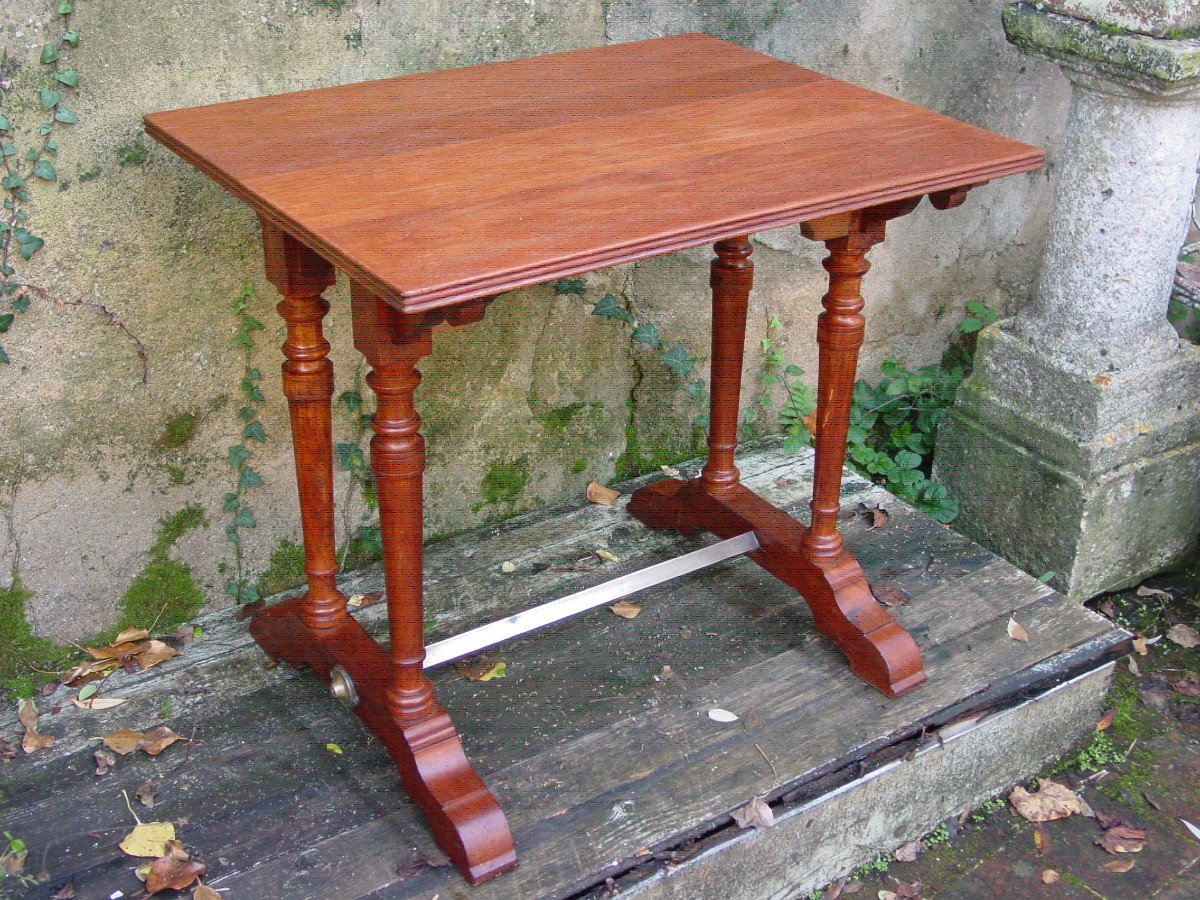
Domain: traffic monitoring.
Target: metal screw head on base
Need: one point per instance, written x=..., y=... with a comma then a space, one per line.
x=341, y=685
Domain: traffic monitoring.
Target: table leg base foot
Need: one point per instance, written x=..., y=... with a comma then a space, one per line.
x=467, y=822
x=879, y=650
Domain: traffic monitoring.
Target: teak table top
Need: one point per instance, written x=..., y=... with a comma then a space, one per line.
x=437, y=188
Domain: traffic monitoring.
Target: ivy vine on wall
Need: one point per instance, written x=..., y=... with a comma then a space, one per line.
x=19, y=243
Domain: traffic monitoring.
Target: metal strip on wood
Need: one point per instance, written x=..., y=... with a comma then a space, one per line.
x=564, y=607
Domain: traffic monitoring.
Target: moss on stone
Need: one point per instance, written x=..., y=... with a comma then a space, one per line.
x=132, y=153
x=178, y=431
x=505, y=481
x=285, y=570
x=578, y=466
x=90, y=174
x=557, y=419
x=164, y=594
x=21, y=651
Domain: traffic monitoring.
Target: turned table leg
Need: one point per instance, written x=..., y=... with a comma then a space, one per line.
x=302, y=277
x=810, y=560
x=466, y=820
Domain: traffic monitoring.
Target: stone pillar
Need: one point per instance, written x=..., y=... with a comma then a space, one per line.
x=1074, y=447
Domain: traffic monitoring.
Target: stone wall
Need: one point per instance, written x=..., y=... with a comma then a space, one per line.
x=521, y=409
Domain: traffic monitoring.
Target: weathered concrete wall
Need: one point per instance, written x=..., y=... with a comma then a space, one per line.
x=541, y=395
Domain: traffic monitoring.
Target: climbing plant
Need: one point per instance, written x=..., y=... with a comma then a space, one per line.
x=240, y=586
x=362, y=539
x=20, y=171
x=799, y=401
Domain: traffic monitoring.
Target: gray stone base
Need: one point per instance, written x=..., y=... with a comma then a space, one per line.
x=1094, y=477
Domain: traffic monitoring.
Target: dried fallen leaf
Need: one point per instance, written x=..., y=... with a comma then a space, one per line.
x=148, y=839
x=154, y=653
x=722, y=715
x=173, y=871
x=98, y=702
x=1144, y=591
x=1041, y=840
x=876, y=515
x=1107, y=719
x=66, y=892
x=606, y=555
x=891, y=596
x=204, y=892
x=625, y=609
x=131, y=634
x=507, y=567
x=909, y=852
x=1049, y=876
x=147, y=793
x=1140, y=647
x=354, y=601
x=755, y=814
x=1134, y=669
x=598, y=493
x=481, y=668
x=90, y=671
x=13, y=862
x=1119, y=866
x=1188, y=686
x=1016, y=631
x=1183, y=635
x=1123, y=838
x=1051, y=801
x=153, y=742
x=104, y=762
x=1108, y=608
x=27, y=715
x=670, y=471
x=31, y=742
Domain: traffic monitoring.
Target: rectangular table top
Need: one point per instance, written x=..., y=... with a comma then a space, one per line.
x=436, y=188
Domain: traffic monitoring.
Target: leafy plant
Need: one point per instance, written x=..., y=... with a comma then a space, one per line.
x=799, y=399
x=894, y=422
x=362, y=540
x=240, y=586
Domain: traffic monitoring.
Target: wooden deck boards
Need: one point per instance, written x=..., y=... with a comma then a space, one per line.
x=594, y=755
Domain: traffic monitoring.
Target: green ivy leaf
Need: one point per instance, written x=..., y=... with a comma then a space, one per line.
x=65, y=8
x=71, y=37
x=67, y=77
x=8, y=148
x=45, y=171
x=254, y=432
x=49, y=55
x=231, y=502
x=44, y=129
x=248, y=479
x=352, y=400
x=245, y=518
x=3, y=357
x=6, y=320
x=570, y=286
x=646, y=333
x=246, y=413
x=5, y=125
x=238, y=455
x=970, y=325
x=12, y=181
x=49, y=98
x=20, y=304
x=908, y=460
x=608, y=307
x=677, y=360
x=64, y=115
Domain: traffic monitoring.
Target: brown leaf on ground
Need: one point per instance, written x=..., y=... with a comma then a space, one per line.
x=1107, y=607
x=625, y=609
x=48, y=688
x=755, y=814
x=1134, y=669
x=96, y=703
x=31, y=742
x=1188, y=686
x=1049, y=876
x=480, y=668
x=876, y=515
x=104, y=762
x=891, y=596
x=1140, y=647
x=1016, y=631
x=1144, y=591
x=359, y=600
x=13, y=863
x=155, y=652
x=95, y=670
x=66, y=892
x=131, y=634
x=1107, y=719
x=114, y=651
x=1120, y=866
x=1051, y=801
x=147, y=793
x=153, y=742
x=27, y=715
x=1122, y=838
x=1183, y=635
x=598, y=493
x=204, y=892
x=173, y=871
x=909, y=852
x=1041, y=840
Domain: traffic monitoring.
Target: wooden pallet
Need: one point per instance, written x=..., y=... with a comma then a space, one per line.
x=605, y=760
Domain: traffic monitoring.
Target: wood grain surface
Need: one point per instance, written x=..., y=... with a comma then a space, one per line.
x=435, y=188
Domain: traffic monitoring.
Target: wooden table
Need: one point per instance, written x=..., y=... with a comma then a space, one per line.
x=434, y=193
